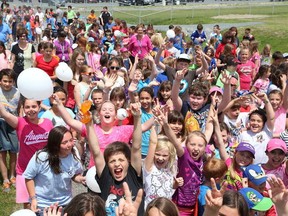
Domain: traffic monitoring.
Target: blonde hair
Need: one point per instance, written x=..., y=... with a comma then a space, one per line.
x=164, y=143
x=157, y=39
x=169, y=61
x=196, y=133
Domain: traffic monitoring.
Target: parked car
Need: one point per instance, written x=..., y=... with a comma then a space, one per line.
x=145, y=2
x=126, y=2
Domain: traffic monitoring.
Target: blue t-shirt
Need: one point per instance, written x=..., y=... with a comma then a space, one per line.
x=145, y=135
x=201, y=199
x=4, y=31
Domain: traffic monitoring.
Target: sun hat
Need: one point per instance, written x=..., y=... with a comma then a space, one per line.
x=255, y=174
x=217, y=89
x=255, y=200
x=91, y=39
x=243, y=146
x=276, y=143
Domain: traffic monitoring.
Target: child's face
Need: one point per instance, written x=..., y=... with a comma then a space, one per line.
x=6, y=83
x=107, y=113
x=118, y=166
x=62, y=97
x=146, y=100
x=31, y=109
x=268, y=73
x=243, y=158
x=125, y=54
x=244, y=55
x=121, y=73
x=176, y=127
x=224, y=134
x=118, y=102
x=233, y=113
x=180, y=65
x=196, y=102
x=275, y=100
x=196, y=147
x=256, y=123
x=97, y=99
x=165, y=93
x=260, y=188
x=275, y=158
x=161, y=158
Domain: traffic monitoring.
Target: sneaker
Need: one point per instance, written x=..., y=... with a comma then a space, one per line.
x=6, y=186
x=13, y=181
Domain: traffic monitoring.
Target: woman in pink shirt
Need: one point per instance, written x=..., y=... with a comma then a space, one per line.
x=140, y=43
x=32, y=133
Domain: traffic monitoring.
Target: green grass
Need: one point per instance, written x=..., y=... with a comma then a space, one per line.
x=7, y=203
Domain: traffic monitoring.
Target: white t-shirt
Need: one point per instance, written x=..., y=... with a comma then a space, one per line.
x=259, y=141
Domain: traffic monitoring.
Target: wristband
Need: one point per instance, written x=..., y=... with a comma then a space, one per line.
x=32, y=198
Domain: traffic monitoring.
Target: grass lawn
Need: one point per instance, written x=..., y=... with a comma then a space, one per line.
x=273, y=30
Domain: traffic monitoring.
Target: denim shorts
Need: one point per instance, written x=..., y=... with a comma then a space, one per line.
x=8, y=138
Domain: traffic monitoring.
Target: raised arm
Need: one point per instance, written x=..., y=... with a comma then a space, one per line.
x=205, y=66
x=149, y=160
x=225, y=79
x=285, y=95
x=177, y=101
x=162, y=119
x=95, y=149
x=73, y=123
x=157, y=58
x=136, y=161
x=132, y=71
x=9, y=118
x=269, y=111
x=77, y=95
x=154, y=69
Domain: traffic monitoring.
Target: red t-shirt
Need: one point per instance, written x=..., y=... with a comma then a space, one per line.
x=48, y=67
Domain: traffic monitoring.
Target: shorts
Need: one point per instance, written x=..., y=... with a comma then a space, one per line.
x=8, y=138
x=22, y=195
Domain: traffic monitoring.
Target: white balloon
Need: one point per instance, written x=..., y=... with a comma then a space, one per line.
x=64, y=72
x=38, y=30
x=35, y=84
x=121, y=114
x=91, y=181
x=117, y=33
x=170, y=33
x=23, y=212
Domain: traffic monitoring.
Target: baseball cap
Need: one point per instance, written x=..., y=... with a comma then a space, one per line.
x=114, y=52
x=276, y=143
x=91, y=39
x=285, y=55
x=255, y=200
x=255, y=174
x=123, y=49
x=216, y=88
x=243, y=146
x=184, y=57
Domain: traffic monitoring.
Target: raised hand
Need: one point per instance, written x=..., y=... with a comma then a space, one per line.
x=53, y=210
x=110, y=80
x=135, y=109
x=180, y=74
x=160, y=117
x=126, y=206
x=279, y=191
x=99, y=74
x=225, y=78
x=214, y=197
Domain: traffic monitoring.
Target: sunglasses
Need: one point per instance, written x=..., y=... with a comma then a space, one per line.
x=114, y=68
x=89, y=74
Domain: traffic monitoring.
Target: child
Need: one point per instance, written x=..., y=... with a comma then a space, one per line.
x=213, y=168
x=190, y=165
x=214, y=143
x=244, y=154
x=257, y=180
x=9, y=97
x=33, y=134
x=126, y=60
x=248, y=35
x=159, y=171
x=164, y=94
x=97, y=100
x=255, y=58
x=266, y=55
x=198, y=36
x=276, y=164
x=246, y=70
x=261, y=81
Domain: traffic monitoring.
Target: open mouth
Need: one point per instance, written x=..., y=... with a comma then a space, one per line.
x=118, y=172
x=195, y=154
x=107, y=116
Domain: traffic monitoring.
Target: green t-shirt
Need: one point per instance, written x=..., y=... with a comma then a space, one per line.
x=71, y=14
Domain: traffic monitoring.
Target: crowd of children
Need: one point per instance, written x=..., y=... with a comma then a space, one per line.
x=186, y=127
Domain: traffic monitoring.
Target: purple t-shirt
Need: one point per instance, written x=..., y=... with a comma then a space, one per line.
x=191, y=171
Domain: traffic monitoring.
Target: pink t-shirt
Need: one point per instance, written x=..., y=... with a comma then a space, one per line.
x=245, y=71
x=279, y=172
x=4, y=60
x=261, y=85
x=32, y=137
x=280, y=119
x=121, y=133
